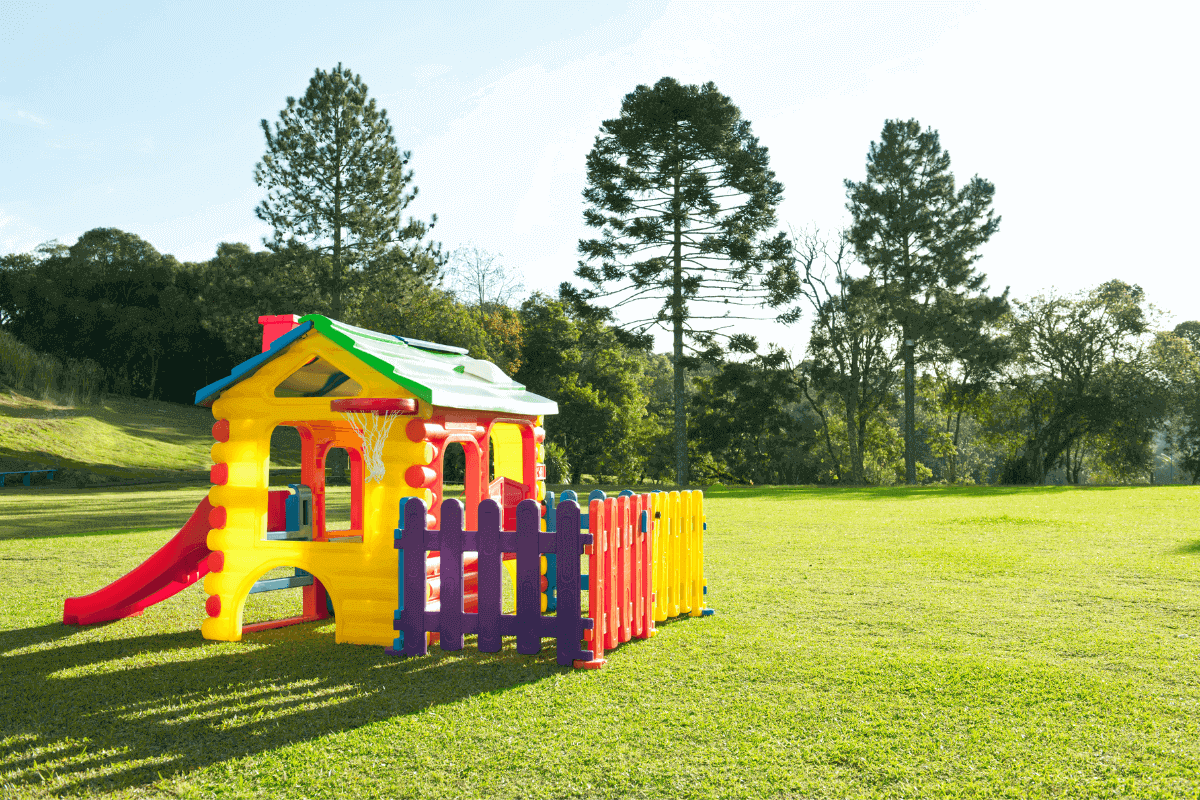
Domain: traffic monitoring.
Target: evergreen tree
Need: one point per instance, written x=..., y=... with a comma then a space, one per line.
x=681, y=191
x=336, y=181
x=919, y=237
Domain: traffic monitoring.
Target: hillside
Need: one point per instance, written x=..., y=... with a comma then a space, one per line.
x=117, y=440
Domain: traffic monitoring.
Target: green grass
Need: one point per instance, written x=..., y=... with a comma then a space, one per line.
x=119, y=438
x=981, y=642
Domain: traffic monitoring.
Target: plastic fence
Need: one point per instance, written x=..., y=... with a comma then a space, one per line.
x=451, y=620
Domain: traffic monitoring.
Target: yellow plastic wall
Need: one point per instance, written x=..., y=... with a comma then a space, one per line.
x=360, y=578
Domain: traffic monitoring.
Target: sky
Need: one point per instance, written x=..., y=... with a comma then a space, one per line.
x=147, y=117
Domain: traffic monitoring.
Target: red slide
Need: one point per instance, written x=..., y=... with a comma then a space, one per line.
x=177, y=565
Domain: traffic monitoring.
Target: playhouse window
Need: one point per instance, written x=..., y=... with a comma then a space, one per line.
x=286, y=456
x=341, y=494
x=318, y=378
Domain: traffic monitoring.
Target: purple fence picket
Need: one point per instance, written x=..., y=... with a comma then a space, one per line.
x=413, y=545
x=451, y=544
x=569, y=620
x=529, y=594
x=490, y=638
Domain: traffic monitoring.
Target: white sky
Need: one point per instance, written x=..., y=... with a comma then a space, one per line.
x=145, y=117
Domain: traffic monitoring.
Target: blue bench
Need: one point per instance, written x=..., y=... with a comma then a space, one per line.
x=27, y=474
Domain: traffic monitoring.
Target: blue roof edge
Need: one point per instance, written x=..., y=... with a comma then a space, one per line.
x=208, y=394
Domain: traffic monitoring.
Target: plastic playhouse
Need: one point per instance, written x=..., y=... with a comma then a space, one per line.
x=394, y=405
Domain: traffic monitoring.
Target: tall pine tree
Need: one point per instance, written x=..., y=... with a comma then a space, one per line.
x=335, y=181
x=919, y=236
x=682, y=193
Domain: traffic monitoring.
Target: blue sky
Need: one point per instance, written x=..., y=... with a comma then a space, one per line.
x=145, y=117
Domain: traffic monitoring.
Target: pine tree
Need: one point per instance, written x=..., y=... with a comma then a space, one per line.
x=919, y=237
x=681, y=191
x=335, y=180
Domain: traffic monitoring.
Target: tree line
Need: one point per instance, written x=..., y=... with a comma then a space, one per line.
x=913, y=370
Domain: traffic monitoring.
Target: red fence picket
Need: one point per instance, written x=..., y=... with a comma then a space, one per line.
x=620, y=589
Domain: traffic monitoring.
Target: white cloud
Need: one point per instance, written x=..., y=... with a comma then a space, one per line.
x=22, y=114
x=18, y=236
x=194, y=237
x=427, y=72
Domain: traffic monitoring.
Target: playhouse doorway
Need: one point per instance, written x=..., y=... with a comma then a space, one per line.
x=461, y=477
x=277, y=594
x=282, y=596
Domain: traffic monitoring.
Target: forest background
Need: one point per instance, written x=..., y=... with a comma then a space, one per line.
x=911, y=372
x=1089, y=374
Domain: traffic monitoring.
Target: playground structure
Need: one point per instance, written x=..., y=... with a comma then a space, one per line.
x=394, y=405
x=634, y=576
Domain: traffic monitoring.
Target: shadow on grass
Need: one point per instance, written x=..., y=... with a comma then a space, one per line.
x=71, y=712
x=55, y=513
x=1189, y=549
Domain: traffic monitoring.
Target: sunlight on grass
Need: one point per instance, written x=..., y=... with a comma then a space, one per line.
x=121, y=437
x=867, y=643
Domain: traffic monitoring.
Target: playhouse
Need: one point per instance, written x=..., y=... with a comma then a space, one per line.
x=311, y=374
x=406, y=573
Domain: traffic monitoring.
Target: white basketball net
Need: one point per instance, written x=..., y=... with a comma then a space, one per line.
x=372, y=429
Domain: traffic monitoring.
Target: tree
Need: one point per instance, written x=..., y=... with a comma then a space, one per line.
x=681, y=191
x=482, y=279
x=919, y=237
x=427, y=312
x=602, y=422
x=749, y=421
x=1086, y=375
x=111, y=297
x=15, y=269
x=852, y=349
x=965, y=362
x=1178, y=354
x=1190, y=331
x=239, y=285
x=336, y=181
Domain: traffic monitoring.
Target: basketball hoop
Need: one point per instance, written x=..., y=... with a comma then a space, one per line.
x=371, y=418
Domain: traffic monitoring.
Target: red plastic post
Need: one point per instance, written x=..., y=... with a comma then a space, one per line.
x=276, y=326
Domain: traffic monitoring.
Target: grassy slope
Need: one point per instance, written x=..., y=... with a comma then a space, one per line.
x=867, y=643
x=120, y=438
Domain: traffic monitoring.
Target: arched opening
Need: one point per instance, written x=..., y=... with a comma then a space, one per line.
x=454, y=470
x=282, y=596
x=277, y=594
x=460, y=458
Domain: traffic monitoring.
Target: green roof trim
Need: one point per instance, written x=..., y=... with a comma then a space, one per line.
x=445, y=376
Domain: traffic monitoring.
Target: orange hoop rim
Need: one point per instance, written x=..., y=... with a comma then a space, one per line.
x=374, y=405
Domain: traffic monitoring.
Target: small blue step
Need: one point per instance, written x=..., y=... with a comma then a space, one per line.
x=301, y=578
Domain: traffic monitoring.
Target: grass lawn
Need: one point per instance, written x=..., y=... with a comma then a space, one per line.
x=119, y=438
x=985, y=642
